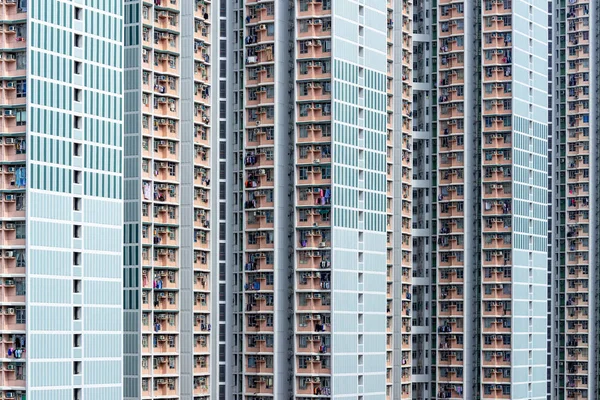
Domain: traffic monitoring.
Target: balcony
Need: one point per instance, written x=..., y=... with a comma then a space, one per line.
x=317, y=27
x=497, y=342
x=497, y=8
x=166, y=345
x=451, y=28
x=449, y=13
x=313, y=48
x=314, y=365
x=259, y=385
x=166, y=387
x=315, y=8
x=317, y=218
x=10, y=97
x=165, y=41
x=9, y=319
x=497, y=24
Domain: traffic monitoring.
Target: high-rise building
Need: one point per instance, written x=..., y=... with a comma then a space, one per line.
x=171, y=245
x=573, y=250
x=333, y=199
x=383, y=225
x=61, y=79
x=319, y=191
x=488, y=292
x=490, y=269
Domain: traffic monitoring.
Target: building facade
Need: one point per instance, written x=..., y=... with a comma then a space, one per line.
x=317, y=196
x=333, y=199
x=62, y=198
x=473, y=199
x=171, y=202
x=573, y=254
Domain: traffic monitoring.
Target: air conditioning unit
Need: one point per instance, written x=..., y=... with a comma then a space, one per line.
x=12, y=28
x=10, y=141
x=10, y=197
x=10, y=367
x=10, y=84
x=10, y=311
x=9, y=113
x=9, y=254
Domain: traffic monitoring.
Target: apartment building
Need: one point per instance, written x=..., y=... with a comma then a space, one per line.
x=491, y=172
x=422, y=136
x=574, y=155
x=355, y=205
x=318, y=288
x=61, y=166
x=171, y=203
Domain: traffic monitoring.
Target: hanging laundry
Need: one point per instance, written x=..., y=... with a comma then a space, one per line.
x=147, y=191
x=20, y=177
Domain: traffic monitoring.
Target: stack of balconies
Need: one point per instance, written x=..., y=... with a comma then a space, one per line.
x=312, y=302
x=389, y=199
x=13, y=181
x=496, y=224
x=576, y=314
x=402, y=9
x=259, y=41
x=451, y=187
x=161, y=197
x=202, y=192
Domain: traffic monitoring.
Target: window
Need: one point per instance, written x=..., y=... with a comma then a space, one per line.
x=21, y=315
x=20, y=229
x=20, y=201
x=20, y=286
x=21, y=115
x=21, y=88
x=76, y=340
x=20, y=256
x=21, y=60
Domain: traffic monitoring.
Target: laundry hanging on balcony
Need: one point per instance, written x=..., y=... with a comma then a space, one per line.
x=21, y=177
